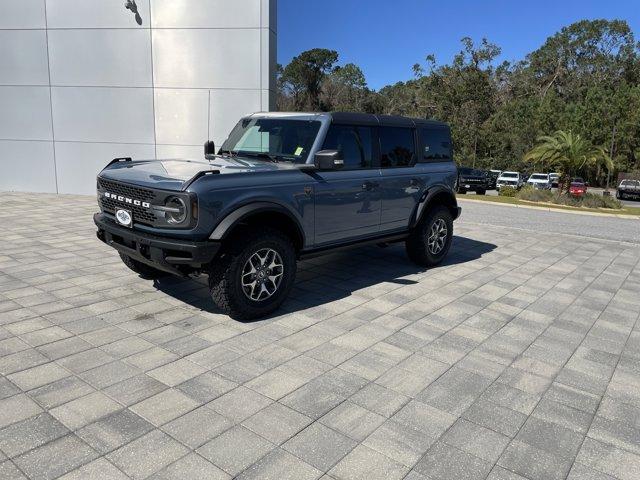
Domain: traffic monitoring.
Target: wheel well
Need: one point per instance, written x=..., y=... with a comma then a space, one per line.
x=443, y=198
x=277, y=220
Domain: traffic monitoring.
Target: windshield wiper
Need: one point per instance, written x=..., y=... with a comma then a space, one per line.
x=272, y=157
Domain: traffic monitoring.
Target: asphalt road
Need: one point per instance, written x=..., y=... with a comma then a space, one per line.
x=601, y=226
x=599, y=191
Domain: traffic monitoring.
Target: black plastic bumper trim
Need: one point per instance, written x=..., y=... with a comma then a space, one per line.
x=159, y=252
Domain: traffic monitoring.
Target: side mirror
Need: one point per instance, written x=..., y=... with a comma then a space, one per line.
x=328, y=160
x=209, y=149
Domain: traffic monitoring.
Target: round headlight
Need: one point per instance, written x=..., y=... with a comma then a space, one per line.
x=176, y=211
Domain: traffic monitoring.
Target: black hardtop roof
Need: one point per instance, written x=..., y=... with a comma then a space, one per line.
x=385, y=120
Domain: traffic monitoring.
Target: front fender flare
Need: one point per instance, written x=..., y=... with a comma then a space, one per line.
x=236, y=216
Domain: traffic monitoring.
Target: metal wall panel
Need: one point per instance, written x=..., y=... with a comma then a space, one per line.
x=206, y=58
x=270, y=14
x=94, y=14
x=90, y=114
x=213, y=62
x=268, y=59
x=100, y=57
x=227, y=106
x=22, y=14
x=25, y=113
x=23, y=57
x=181, y=116
x=78, y=163
x=27, y=166
x=189, y=152
x=268, y=100
x=205, y=13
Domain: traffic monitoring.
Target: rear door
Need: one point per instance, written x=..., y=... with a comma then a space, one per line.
x=348, y=200
x=402, y=185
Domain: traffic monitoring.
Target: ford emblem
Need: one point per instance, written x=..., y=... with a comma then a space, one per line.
x=123, y=217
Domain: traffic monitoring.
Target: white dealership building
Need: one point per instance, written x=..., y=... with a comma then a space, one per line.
x=84, y=81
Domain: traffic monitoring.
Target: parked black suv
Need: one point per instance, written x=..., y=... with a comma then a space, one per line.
x=283, y=186
x=472, y=180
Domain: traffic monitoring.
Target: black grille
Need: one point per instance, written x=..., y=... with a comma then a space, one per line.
x=139, y=193
x=140, y=214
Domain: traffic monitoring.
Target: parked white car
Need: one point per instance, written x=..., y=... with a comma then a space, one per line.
x=541, y=181
x=554, y=178
x=509, y=179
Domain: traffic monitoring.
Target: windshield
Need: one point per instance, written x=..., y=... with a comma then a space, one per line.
x=538, y=176
x=509, y=175
x=275, y=139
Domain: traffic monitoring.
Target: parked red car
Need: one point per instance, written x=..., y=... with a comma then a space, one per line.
x=578, y=187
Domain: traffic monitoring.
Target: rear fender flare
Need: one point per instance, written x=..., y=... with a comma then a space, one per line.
x=427, y=200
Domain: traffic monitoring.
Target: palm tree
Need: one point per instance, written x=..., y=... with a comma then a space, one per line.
x=568, y=154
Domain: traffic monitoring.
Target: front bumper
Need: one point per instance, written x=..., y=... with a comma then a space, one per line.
x=178, y=257
x=472, y=187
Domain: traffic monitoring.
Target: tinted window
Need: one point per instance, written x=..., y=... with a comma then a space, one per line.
x=436, y=144
x=397, y=147
x=353, y=143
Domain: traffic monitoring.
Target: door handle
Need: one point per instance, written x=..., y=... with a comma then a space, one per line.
x=369, y=185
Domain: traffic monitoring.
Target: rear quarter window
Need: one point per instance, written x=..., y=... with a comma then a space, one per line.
x=436, y=145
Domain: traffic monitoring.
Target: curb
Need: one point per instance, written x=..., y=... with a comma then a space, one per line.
x=550, y=209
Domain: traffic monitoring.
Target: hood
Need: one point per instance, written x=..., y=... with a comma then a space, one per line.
x=174, y=174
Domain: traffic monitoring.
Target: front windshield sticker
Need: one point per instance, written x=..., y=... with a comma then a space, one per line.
x=299, y=151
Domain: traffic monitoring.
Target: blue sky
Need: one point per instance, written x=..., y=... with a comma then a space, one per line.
x=387, y=37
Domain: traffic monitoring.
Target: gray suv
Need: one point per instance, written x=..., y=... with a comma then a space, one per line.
x=282, y=187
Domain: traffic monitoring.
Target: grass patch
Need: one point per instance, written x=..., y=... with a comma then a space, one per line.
x=625, y=210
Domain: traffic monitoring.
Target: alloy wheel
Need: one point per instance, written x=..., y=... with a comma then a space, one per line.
x=437, y=236
x=262, y=274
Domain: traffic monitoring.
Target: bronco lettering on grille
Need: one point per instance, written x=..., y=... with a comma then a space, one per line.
x=130, y=201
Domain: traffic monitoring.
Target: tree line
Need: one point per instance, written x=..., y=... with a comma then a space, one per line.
x=584, y=80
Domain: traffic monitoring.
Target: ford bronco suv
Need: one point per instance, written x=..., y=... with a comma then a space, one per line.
x=282, y=187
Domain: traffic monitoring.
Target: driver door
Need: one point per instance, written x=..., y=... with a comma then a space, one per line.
x=348, y=200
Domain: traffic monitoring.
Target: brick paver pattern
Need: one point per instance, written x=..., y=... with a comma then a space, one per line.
x=518, y=358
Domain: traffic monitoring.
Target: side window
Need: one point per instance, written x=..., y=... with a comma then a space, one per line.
x=436, y=145
x=353, y=143
x=397, y=147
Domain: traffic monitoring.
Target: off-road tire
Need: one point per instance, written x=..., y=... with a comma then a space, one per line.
x=145, y=271
x=225, y=274
x=417, y=244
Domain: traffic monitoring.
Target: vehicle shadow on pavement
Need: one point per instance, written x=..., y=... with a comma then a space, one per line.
x=322, y=280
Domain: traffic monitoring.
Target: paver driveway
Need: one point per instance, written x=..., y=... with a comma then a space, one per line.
x=520, y=358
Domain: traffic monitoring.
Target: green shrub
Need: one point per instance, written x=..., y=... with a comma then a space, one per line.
x=508, y=192
x=589, y=200
x=532, y=194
